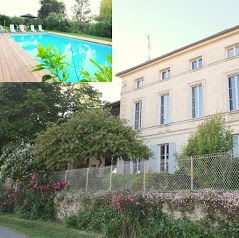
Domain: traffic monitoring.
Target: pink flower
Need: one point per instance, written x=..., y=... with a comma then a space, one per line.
x=33, y=176
x=132, y=200
x=130, y=197
x=112, y=206
x=137, y=203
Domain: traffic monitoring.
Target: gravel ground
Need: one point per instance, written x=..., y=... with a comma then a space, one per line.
x=7, y=233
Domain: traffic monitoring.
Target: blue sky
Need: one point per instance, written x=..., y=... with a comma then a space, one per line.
x=171, y=24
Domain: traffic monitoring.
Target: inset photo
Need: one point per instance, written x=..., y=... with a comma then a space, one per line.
x=56, y=41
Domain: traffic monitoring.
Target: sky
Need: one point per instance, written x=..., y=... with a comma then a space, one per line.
x=17, y=8
x=171, y=24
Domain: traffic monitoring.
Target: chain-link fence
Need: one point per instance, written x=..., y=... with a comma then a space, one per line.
x=217, y=171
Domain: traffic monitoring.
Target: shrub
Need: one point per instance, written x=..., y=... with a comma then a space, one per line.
x=140, y=215
x=102, y=28
x=39, y=196
x=7, y=200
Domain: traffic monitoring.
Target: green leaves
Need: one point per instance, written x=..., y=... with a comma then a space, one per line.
x=211, y=136
x=86, y=135
x=52, y=60
x=103, y=75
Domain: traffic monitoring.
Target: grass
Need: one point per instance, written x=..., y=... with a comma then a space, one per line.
x=72, y=34
x=84, y=35
x=40, y=229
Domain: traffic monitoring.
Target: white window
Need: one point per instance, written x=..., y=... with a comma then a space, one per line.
x=140, y=83
x=233, y=51
x=197, y=63
x=164, y=157
x=164, y=109
x=138, y=115
x=233, y=85
x=197, y=101
x=165, y=74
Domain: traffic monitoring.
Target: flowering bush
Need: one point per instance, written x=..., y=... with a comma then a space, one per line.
x=38, y=198
x=7, y=201
x=140, y=215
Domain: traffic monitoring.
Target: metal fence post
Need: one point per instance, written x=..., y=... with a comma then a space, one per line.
x=191, y=173
x=111, y=170
x=87, y=179
x=65, y=175
x=144, y=184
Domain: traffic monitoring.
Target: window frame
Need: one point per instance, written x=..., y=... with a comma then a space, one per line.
x=198, y=113
x=139, y=83
x=198, y=65
x=167, y=72
x=166, y=110
x=165, y=157
x=235, y=49
x=139, y=115
x=236, y=92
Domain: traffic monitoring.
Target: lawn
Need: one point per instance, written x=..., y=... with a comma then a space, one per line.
x=72, y=34
x=85, y=35
x=40, y=229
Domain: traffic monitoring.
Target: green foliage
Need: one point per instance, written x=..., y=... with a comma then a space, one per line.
x=81, y=11
x=52, y=60
x=106, y=9
x=103, y=75
x=26, y=108
x=38, y=198
x=211, y=137
x=7, y=19
x=49, y=6
x=56, y=21
x=125, y=215
x=102, y=28
x=18, y=20
x=89, y=134
x=18, y=163
x=6, y=200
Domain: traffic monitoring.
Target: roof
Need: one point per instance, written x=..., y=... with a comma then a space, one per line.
x=112, y=104
x=177, y=50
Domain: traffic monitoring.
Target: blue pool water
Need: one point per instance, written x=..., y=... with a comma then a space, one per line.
x=77, y=52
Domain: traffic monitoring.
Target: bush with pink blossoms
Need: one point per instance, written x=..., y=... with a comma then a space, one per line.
x=38, y=198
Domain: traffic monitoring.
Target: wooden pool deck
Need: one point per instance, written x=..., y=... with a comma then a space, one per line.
x=15, y=63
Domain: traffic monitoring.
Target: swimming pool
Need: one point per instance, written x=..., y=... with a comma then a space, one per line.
x=77, y=52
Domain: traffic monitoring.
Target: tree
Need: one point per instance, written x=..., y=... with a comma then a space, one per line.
x=81, y=11
x=88, y=134
x=26, y=108
x=48, y=6
x=106, y=9
x=211, y=136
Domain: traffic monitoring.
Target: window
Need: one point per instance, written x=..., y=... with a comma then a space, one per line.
x=138, y=115
x=165, y=74
x=164, y=157
x=233, y=51
x=140, y=83
x=197, y=102
x=233, y=84
x=196, y=64
x=164, y=109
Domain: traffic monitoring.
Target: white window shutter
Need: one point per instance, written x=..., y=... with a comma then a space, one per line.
x=154, y=160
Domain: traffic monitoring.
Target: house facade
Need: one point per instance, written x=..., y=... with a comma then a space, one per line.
x=166, y=98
